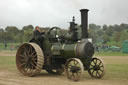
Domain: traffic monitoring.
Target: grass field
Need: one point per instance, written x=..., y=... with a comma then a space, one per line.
x=116, y=73
x=2, y=46
x=110, y=54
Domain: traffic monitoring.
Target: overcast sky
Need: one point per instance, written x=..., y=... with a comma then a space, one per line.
x=59, y=12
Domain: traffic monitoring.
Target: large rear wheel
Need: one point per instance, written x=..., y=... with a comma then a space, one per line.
x=29, y=59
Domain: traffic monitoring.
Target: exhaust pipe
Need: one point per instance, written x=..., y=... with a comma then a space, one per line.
x=84, y=23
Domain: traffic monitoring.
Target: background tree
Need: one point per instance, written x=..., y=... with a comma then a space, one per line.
x=27, y=32
x=92, y=35
x=106, y=39
x=12, y=32
x=105, y=27
x=117, y=36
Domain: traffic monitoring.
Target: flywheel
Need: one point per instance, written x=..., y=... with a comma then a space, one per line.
x=29, y=59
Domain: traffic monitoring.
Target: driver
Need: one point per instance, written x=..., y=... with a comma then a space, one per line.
x=38, y=35
x=37, y=31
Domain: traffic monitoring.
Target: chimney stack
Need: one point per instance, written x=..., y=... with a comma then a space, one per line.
x=84, y=22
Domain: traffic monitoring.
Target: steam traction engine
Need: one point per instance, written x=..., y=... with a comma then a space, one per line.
x=57, y=53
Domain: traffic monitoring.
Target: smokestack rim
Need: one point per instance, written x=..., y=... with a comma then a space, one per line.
x=84, y=10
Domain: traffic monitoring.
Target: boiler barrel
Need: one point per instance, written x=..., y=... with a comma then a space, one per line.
x=80, y=49
x=64, y=50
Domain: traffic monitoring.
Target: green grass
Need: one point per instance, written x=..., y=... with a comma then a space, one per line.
x=111, y=43
x=117, y=68
x=110, y=54
x=2, y=46
x=7, y=62
x=114, y=73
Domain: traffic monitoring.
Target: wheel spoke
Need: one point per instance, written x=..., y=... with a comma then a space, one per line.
x=33, y=65
x=99, y=63
x=34, y=62
x=27, y=65
x=32, y=68
x=101, y=70
x=79, y=73
x=102, y=66
x=98, y=73
x=91, y=68
x=33, y=53
x=24, y=60
x=26, y=69
x=34, y=59
x=25, y=50
x=22, y=56
x=73, y=76
x=22, y=64
x=94, y=62
x=69, y=65
x=91, y=65
x=92, y=71
x=30, y=49
x=76, y=76
x=25, y=54
x=69, y=75
x=75, y=63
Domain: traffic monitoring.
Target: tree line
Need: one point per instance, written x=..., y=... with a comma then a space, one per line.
x=13, y=34
x=109, y=34
x=103, y=34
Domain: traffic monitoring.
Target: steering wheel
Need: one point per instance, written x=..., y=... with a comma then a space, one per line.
x=55, y=30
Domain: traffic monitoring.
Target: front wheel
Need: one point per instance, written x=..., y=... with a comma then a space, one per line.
x=74, y=69
x=97, y=68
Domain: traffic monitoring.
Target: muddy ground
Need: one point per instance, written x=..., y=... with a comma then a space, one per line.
x=15, y=78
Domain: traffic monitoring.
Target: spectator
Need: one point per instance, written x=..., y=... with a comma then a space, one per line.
x=97, y=49
x=11, y=47
x=5, y=45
